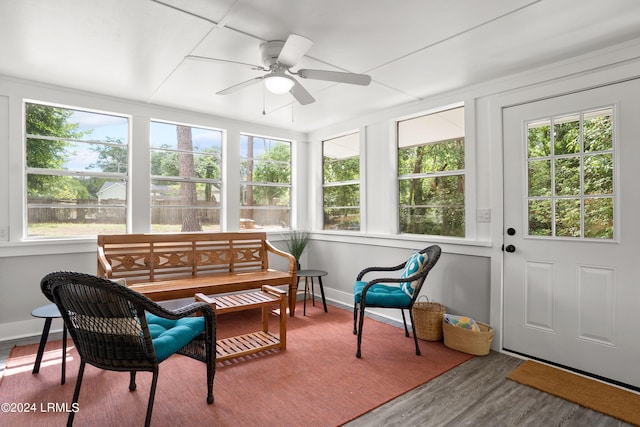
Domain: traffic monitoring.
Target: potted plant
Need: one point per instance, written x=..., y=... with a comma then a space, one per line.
x=296, y=243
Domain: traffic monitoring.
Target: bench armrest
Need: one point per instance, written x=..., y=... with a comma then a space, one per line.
x=104, y=268
x=293, y=266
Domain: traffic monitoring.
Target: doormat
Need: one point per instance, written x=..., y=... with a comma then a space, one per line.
x=607, y=399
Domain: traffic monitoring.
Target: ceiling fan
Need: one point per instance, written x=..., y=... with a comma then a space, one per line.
x=278, y=58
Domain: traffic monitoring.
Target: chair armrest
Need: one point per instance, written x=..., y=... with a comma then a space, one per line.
x=293, y=267
x=181, y=312
x=417, y=276
x=104, y=268
x=370, y=269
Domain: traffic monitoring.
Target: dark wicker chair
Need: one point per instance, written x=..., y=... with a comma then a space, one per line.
x=387, y=292
x=116, y=328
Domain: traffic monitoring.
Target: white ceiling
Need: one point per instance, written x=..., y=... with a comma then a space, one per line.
x=412, y=49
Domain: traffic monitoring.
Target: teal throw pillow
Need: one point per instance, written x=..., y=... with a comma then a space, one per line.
x=415, y=263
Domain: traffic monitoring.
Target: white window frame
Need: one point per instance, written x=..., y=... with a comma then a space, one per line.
x=195, y=180
x=357, y=182
x=243, y=183
x=77, y=173
x=468, y=171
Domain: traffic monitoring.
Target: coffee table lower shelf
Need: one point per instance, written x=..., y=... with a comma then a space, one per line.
x=254, y=342
x=243, y=345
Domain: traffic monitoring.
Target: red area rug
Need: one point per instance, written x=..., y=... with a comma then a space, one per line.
x=316, y=381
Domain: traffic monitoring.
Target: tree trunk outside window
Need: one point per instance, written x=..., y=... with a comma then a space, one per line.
x=188, y=195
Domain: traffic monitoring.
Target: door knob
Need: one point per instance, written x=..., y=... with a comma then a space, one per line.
x=510, y=248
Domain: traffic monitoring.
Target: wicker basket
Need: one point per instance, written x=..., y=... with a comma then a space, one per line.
x=477, y=343
x=428, y=319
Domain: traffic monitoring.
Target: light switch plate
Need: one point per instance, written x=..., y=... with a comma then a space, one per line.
x=483, y=215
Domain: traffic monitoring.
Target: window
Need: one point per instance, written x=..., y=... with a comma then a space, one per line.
x=77, y=164
x=570, y=175
x=341, y=182
x=185, y=178
x=265, y=179
x=431, y=174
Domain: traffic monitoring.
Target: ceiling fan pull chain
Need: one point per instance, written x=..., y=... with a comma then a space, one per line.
x=263, y=100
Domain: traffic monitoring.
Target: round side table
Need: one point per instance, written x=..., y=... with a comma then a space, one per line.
x=49, y=312
x=310, y=274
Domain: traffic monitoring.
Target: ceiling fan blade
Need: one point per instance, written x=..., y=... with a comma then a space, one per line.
x=224, y=61
x=294, y=48
x=335, y=76
x=301, y=94
x=239, y=86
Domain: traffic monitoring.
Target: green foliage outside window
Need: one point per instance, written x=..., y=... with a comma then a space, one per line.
x=341, y=183
x=265, y=174
x=432, y=189
x=570, y=176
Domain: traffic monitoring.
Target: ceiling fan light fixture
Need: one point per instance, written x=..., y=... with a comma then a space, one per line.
x=278, y=83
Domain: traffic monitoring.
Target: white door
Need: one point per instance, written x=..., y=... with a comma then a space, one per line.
x=572, y=231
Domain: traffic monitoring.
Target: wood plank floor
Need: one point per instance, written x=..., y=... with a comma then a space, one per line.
x=476, y=393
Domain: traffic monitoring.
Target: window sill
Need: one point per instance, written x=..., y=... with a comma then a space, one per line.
x=449, y=244
x=88, y=244
x=47, y=247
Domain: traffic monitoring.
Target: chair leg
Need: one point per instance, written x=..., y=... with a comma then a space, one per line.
x=404, y=320
x=413, y=328
x=132, y=380
x=355, y=318
x=152, y=395
x=358, y=352
x=76, y=393
x=210, y=358
x=64, y=354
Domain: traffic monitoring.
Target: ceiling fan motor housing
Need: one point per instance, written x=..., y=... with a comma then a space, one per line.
x=270, y=52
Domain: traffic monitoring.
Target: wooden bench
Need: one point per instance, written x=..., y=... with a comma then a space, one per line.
x=172, y=266
x=254, y=342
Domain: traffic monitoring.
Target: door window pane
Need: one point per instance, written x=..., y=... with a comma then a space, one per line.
x=567, y=176
x=539, y=139
x=540, y=218
x=539, y=178
x=598, y=222
x=562, y=181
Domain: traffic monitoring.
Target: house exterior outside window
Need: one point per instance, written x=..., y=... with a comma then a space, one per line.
x=76, y=171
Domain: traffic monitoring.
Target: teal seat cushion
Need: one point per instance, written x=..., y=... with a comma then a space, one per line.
x=169, y=336
x=381, y=294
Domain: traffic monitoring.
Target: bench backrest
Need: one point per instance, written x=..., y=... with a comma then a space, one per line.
x=152, y=257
